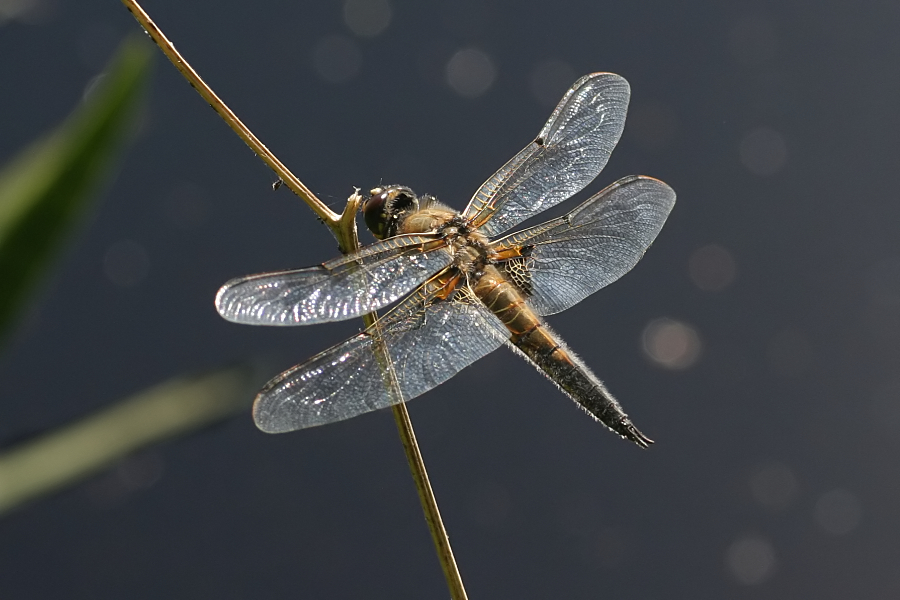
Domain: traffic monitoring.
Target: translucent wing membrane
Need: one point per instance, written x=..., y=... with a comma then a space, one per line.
x=569, y=152
x=570, y=258
x=343, y=288
x=418, y=345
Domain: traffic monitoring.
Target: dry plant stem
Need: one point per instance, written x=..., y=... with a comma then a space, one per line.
x=323, y=212
x=344, y=229
x=348, y=241
x=429, y=503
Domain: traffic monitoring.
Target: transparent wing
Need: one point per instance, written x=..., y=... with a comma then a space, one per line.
x=426, y=341
x=569, y=152
x=347, y=287
x=569, y=258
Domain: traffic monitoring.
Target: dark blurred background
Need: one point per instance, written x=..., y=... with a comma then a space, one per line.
x=757, y=342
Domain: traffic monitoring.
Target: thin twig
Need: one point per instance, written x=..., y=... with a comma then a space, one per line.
x=323, y=212
x=429, y=503
x=344, y=229
x=350, y=243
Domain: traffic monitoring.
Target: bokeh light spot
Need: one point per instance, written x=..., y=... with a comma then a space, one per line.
x=470, y=72
x=763, y=151
x=19, y=9
x=838, y=512
x=750, y=560
x=712, y=268
x=126, y=263
x=367, y=18
x=337, y=59
x=549, y=80
x=671, y=344
x=774, y=486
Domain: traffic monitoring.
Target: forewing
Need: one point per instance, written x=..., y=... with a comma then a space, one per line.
x=347, y=287
x=426, y=341
x=568, y=153
x=571, y=257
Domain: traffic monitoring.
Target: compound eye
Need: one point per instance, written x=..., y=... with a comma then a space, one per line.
x=375, y=212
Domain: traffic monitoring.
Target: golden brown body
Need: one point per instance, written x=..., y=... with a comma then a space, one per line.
x=529, y=333
x=534, y=338
x=460, y=295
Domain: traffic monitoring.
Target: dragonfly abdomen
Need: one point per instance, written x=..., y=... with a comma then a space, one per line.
x=540, y=345
x=551, y=355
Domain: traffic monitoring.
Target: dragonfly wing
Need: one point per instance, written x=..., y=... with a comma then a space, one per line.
x=569, y=258
x=347, y=287
x=415, y=347
x=569, y=152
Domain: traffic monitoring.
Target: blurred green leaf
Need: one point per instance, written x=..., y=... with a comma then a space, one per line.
x=48, y=186
x=70, y=453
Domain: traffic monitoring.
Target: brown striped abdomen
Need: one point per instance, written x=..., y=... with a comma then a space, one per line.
x=540, y=345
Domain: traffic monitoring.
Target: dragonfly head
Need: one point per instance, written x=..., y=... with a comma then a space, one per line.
x=386, y=208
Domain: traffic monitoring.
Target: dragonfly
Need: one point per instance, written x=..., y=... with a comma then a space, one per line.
x=461, y=287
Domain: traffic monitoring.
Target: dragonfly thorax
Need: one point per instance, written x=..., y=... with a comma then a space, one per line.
x=395, y=210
